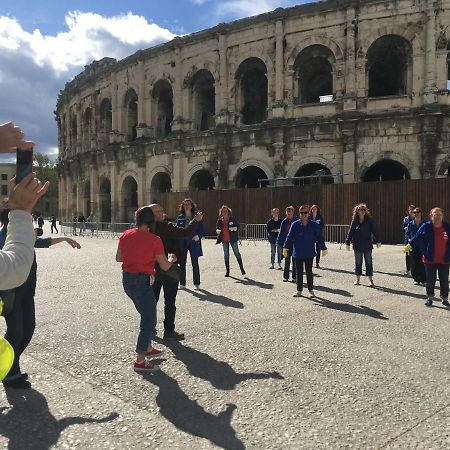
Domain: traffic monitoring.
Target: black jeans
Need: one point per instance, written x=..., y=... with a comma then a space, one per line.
x=309, y=273
x=287, y=266
x=21, y=321
x=170, y=288
x=417, y=267
x=318, y=250
x=195, y=269
x=431, y=270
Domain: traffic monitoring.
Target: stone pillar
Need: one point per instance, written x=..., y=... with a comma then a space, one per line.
x=222, y=113
x=177, y=124
x=142, y=98
x=141, y=186
x=115, y=214
x=79, y=128
x=278, y=106
x=430, y=55
x=350, y=62
x=115, y=111
x=93, y=183
x=68, y=199
x=177, y=171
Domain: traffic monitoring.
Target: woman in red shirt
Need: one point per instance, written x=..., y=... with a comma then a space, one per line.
x=138, y=250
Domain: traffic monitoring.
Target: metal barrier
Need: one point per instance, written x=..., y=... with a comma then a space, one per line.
x=94, y=229
x=335, y=233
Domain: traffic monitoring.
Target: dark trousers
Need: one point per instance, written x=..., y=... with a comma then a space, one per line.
x=417, y=267
x=408, y=262
x=53, y=227
x=309, y=273
x=170, y=288
x=431, y=271
x=195, y=269
x=21, y=322
x=287, y=266
x=318, y=250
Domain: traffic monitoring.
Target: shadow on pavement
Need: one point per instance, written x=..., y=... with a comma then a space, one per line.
x=29, y=424
x=188, y=416
x=345, y=307
x=202, y=294
x=333, y=291
x=250, y=282
x=338, y=270
x=402, y=293
x=219, y=373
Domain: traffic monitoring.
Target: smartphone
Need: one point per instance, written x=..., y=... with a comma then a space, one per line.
x=24, y=164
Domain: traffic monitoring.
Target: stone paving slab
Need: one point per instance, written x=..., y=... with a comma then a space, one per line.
x=354, y=368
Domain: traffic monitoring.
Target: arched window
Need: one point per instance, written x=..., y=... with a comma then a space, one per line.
x=202, y=180
x=313, y=69
x=163, y=100
x=105, y=200
x=386, y=170
x=161, y=183
x=87, y=130
x=204, y=100
x=129, y=199
x=251, y=78
x=251, y=177
x=105, y=119
x=313, y=174
x=389, y=60
x=131, y=106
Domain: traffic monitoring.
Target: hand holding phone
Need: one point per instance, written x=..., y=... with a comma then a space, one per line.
x=24, y=164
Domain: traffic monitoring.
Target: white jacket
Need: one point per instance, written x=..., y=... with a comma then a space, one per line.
x=18, y=253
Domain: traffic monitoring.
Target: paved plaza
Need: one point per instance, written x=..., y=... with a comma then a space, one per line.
x=353, y=368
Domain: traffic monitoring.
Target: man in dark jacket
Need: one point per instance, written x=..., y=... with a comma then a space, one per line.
x=170, y=235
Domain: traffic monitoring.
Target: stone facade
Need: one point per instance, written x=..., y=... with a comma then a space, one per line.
x=335, y=91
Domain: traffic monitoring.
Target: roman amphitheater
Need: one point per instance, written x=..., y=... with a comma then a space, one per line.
x=331, y=92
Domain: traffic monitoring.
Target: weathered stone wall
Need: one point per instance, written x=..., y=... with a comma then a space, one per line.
x=245, y=101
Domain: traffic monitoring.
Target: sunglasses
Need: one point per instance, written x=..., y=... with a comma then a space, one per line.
x=304, y=212
x=417, y=212
x=362, y=209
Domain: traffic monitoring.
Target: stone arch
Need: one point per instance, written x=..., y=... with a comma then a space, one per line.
x=313, y=173
x=252, y=90
x=160, y=181
x=444, y=168
x=313, y=75
x=162, y=107
x=325, y=41
x=369, y=161
x=294, y=168
x=202, y=93
x=201, y=179
x=386, y=169
x=129, y=198
x=389, y=66
x=241, y=170
x=130, y=103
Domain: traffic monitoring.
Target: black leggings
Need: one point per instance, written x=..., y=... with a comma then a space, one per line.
x=309, y=274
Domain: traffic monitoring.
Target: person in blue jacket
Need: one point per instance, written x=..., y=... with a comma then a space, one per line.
x=433, y=239
x=361, y=232
x=273, y=230
x=416, y=263
x=21, y=320
x=192, y=244
x=281, y=239
x=302, y=237
x=227, y=229
x=316, y=216
x=406, y=221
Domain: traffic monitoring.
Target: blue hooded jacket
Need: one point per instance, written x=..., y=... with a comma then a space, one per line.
x=284, y=230
x=195, y=247
x=304, y=238
x=424, y=239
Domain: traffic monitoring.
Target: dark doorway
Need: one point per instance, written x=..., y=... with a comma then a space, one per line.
x=163, y=99
x=202, y=180
x=204, y=100
x=313, y=173
x=161, y=183
x=386, y=170
x=105, y=200
x=131, y=105
x=249, y=177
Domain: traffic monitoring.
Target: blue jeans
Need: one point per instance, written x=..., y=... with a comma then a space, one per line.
x=287, y=266
x=442, y=269
x=367, y=254
x=275, y=248
x=137, y=287
x=195, y=269
x=226, y=250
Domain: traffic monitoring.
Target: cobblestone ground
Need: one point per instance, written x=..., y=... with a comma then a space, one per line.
x=354, y=368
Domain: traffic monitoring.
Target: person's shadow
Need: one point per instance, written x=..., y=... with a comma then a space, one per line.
x=202, y=294
x=353, y=309
x=29, y=424
x=340, y=292
x=219, y=373
x=188, y=416
x=250, y=282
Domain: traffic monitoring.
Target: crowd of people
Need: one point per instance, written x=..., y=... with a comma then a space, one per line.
x=154, y=253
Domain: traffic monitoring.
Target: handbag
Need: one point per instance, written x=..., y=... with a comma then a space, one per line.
x=172, y=275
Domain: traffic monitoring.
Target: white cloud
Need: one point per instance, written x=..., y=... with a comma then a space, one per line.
x=228, y=9
x=34, y=67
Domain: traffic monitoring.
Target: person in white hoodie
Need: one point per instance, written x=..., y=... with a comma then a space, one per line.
x=18, y=253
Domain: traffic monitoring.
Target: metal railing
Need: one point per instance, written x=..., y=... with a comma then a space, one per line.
x=94, y=229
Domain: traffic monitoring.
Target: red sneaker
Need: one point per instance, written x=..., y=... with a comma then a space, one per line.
x=154, y=353
x=145, y=366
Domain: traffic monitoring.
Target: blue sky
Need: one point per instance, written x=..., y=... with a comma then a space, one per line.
x=44, y=44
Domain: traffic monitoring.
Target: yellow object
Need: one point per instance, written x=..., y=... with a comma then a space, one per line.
x=6, y=357
x=324, y=252
x=285, y=252
x=1, y=306
x=407, y=249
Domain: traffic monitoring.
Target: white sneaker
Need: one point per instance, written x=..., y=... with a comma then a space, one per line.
x=279, y=267
x=196, y=287
x=271, y=267
x=311, y=293
x=298, y=294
